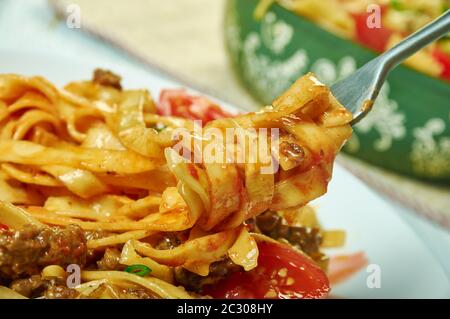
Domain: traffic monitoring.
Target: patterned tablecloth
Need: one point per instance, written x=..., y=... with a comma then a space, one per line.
x=184, y=38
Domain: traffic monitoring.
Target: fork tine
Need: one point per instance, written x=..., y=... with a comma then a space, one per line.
x=358, y=91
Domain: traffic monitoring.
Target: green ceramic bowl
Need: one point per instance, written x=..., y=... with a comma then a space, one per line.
x=408, y=130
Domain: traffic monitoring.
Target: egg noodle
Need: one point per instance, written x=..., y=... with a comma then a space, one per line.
x=102, y=159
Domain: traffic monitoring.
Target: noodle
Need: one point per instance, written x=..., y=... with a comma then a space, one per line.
x=97, y=164
x=117, y=239
x=160, y=287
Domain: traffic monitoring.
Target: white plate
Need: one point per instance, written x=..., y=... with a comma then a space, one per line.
x=408, y=270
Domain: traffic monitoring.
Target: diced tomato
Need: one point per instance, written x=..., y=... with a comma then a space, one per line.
x=177, y=102
x=3, y=227
x=282, y=273
x=373, y=38
x=444, y=59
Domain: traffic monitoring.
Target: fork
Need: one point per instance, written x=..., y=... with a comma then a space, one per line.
x=358, y=91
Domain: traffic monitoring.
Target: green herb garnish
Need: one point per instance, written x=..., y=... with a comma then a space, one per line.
x=139, y=270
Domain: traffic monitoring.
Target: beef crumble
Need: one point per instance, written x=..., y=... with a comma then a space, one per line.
x=48, y=288
x=94, y=255
x=25, y=252
x=110, y=260
x=306, y=239
x=169, y=240
x=107, y=78
x=217, y=271
x=133, y=293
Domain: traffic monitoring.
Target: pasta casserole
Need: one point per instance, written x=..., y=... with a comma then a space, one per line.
x=106, y=193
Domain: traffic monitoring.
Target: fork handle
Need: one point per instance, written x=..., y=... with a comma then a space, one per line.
x=416, y=41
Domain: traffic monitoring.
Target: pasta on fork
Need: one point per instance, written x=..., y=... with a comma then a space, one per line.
x=148, y=202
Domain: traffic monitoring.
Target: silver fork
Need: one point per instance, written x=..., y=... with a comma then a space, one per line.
x=358, y=91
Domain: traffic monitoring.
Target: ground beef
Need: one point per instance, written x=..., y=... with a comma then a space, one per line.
x=217, y=271
x=25, y=252
x=94, y=255
x=31, y=287
x=110, y=260
x=306, y=239
x=137, y=294
x=107, y=78
x=169, y=240
x=60, y=292
x=292, y=151
x=49, y=288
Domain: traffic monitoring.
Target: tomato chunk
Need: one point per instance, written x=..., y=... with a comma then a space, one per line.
x=282, y=273
x=444, y=59
x=177, y=102
x=373, y=38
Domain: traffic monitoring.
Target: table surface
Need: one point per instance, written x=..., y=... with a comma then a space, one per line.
x=31, y=25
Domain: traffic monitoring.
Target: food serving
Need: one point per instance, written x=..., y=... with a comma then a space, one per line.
x=106, y=193
x=398, y=19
